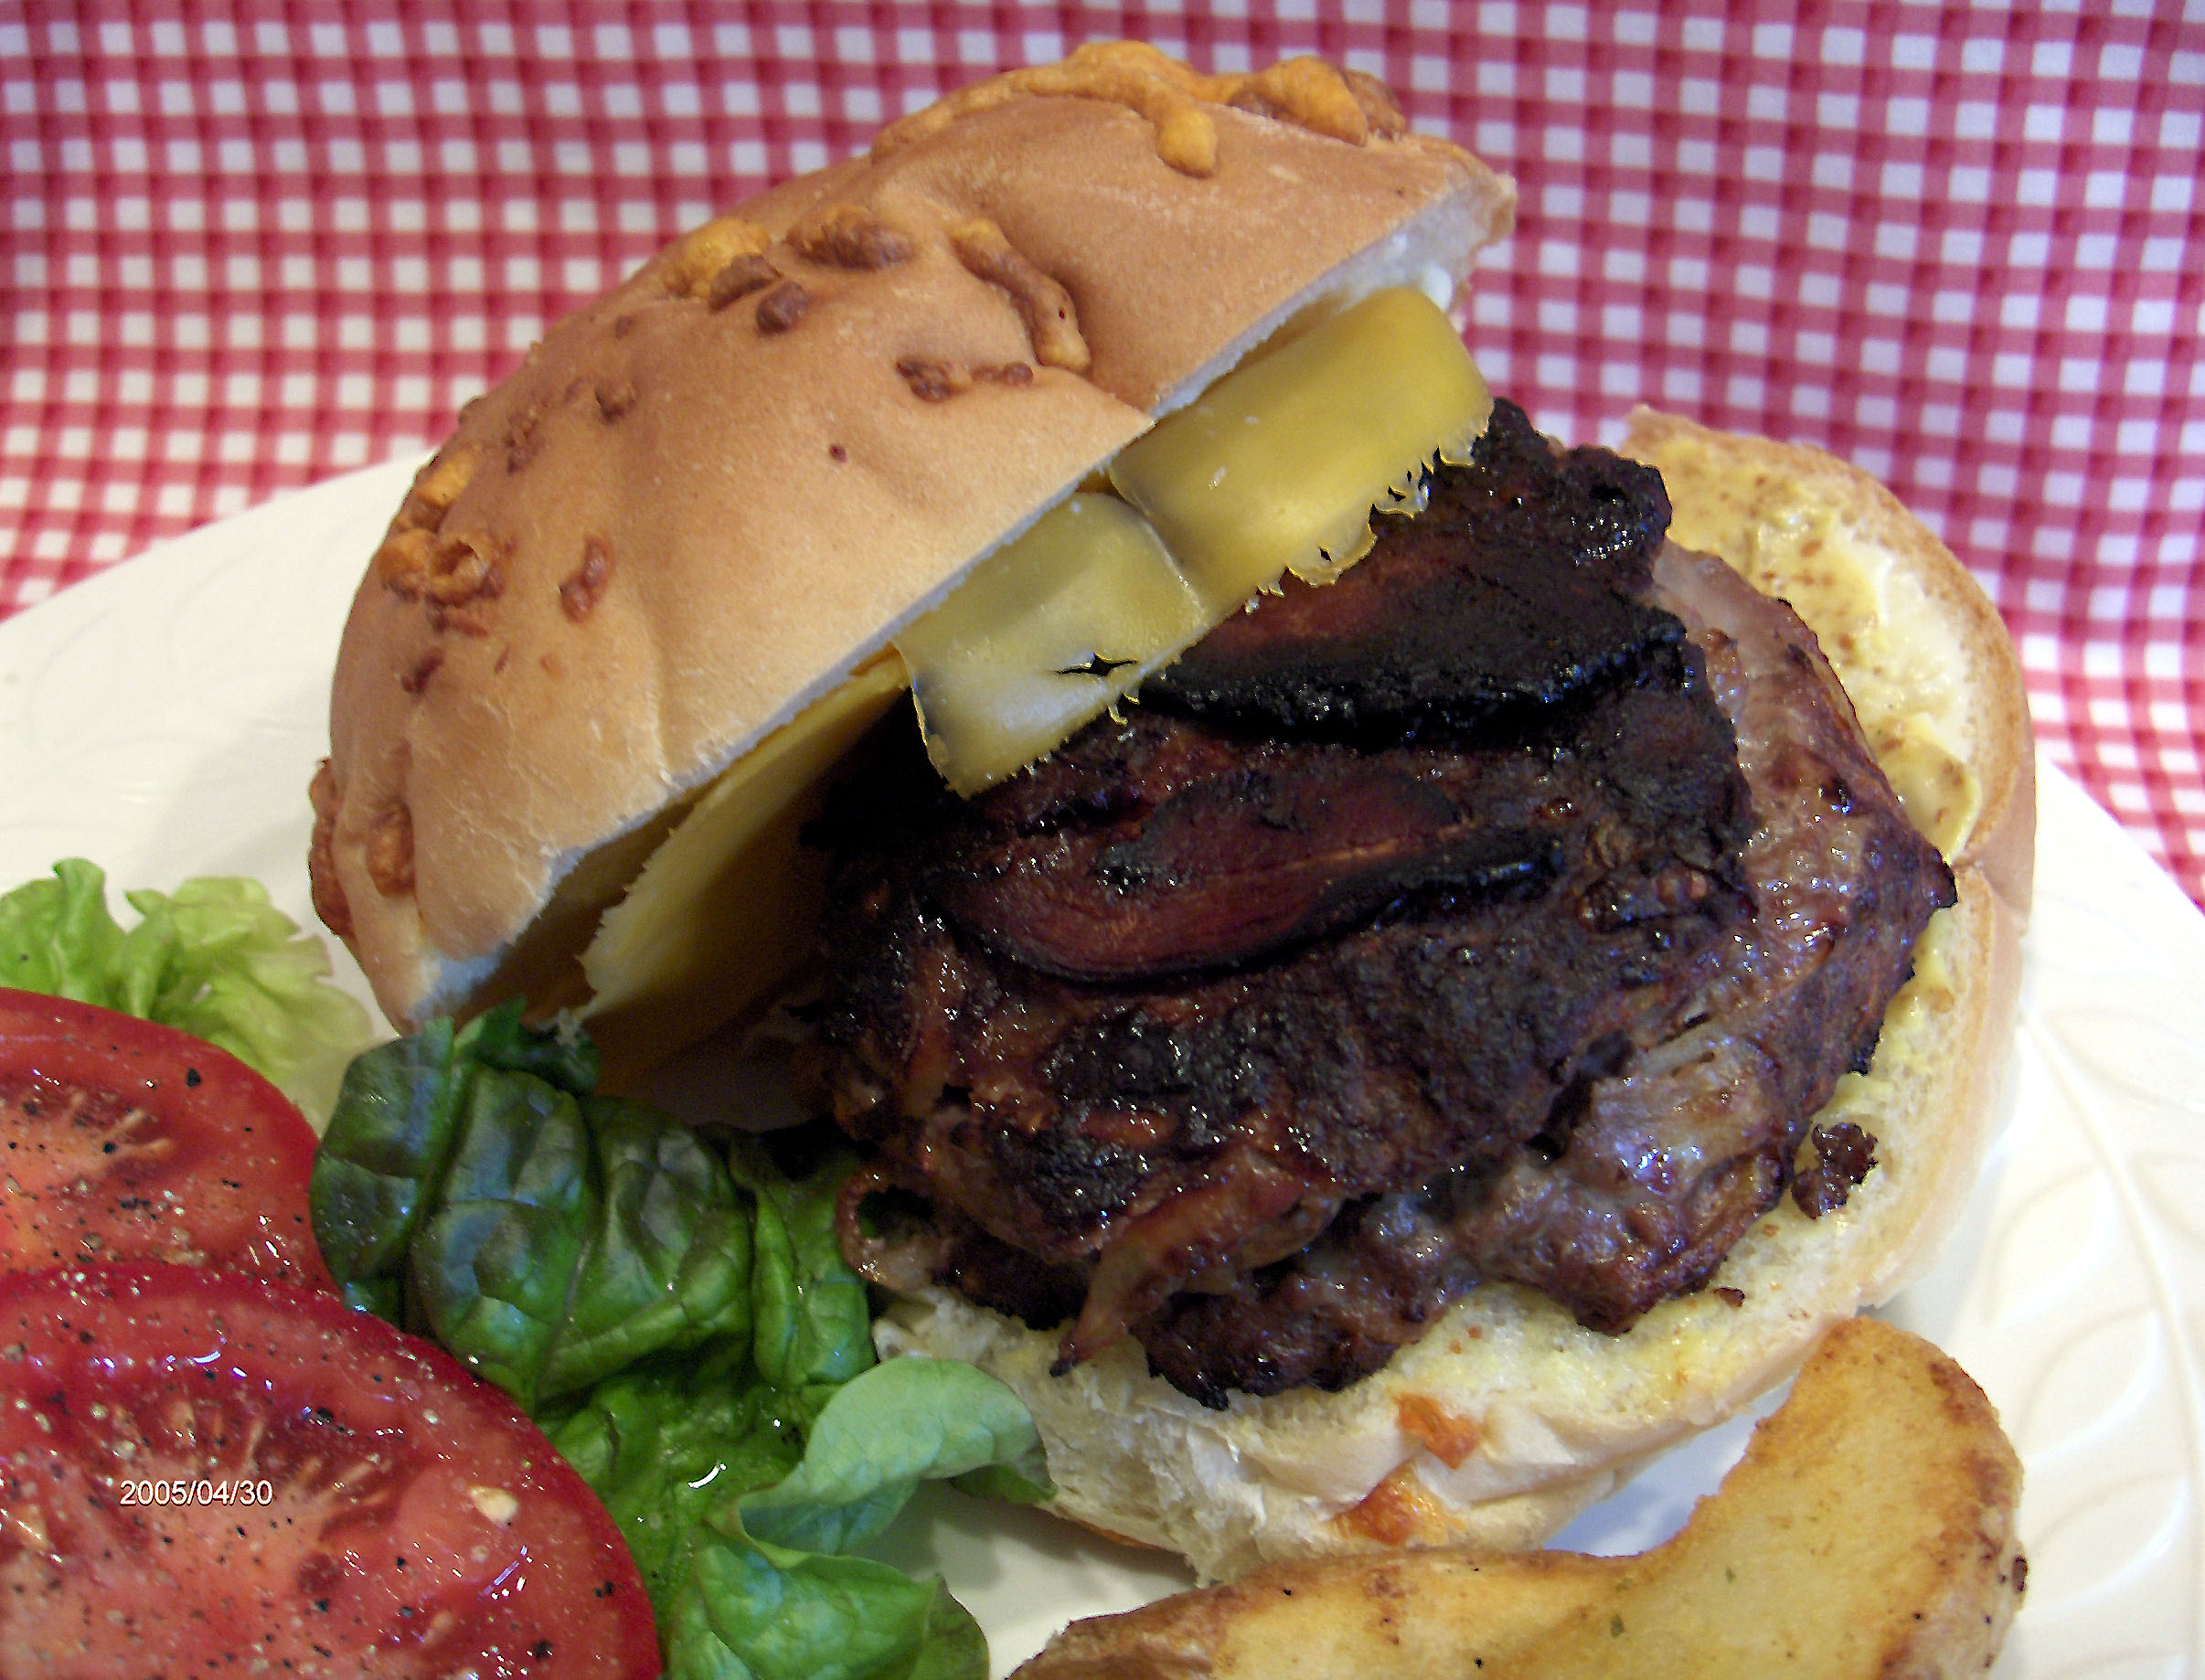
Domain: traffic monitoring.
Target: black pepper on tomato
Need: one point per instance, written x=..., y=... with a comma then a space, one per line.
x=121, y=1140
x=205, y=1472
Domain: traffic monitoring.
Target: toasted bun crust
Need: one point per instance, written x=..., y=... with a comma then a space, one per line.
x=1558, y=1414
x=712, y=495
x=1908, y=630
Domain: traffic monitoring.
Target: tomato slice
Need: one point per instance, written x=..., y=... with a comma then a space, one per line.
x=205, y=1472
x=127, y=1141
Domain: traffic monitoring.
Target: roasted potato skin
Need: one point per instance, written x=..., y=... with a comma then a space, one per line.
x=1870, y=1530
x=1422, y=1613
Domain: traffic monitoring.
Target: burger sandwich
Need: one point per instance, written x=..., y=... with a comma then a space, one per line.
x=1380, y=971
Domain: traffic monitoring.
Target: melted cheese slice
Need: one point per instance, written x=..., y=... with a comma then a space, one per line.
x=1045, y=632
x=1276, y=467
x=723, y=911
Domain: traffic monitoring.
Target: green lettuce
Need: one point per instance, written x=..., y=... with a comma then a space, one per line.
x=472, y=1189
x=214, y=959
x=666, y=1442
x=758, y=1613
x=675, y=1311
x=740, y=1502
x=814, y=1323
x=878, y=1436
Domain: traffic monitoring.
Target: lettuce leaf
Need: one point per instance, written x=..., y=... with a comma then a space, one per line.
x=389, y=1135
x=675, y=1311
x=758, y=1613
x=739, y=1523
x=215, y=959
x=669, y=1441
x=813, y=1324
x=879, y=1436
x=549, y=1238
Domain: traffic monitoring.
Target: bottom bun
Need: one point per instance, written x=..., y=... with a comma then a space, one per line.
x=1509, y=1418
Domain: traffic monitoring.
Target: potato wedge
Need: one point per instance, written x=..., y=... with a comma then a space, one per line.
x=1868, y=1530
x=1422, y=1613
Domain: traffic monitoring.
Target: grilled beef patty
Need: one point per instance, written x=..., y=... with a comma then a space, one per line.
x=1500, y=911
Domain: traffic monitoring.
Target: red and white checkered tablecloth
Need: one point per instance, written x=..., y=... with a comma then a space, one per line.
x=248, y=245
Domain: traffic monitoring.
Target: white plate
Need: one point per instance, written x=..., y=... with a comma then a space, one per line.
x=162, y=719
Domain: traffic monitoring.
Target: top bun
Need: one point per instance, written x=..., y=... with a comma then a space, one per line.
x=711, y=496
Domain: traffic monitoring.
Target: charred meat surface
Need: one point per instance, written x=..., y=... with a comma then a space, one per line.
x=1365, y=960
x=1650, y=1173
x=1461, y=616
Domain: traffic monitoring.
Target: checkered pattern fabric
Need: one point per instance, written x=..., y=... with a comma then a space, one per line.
x=248, y=245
